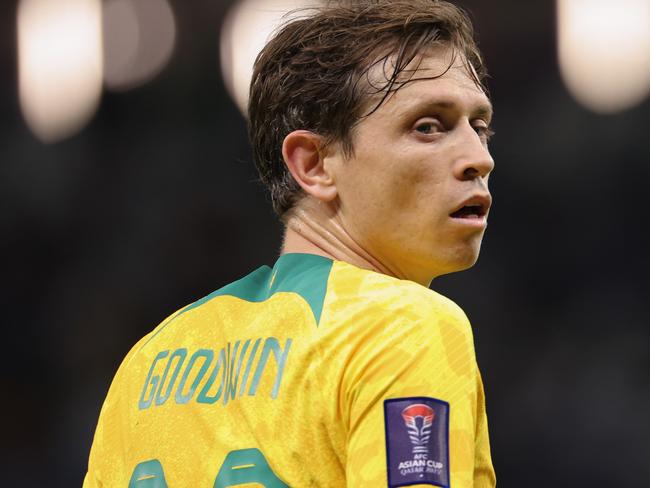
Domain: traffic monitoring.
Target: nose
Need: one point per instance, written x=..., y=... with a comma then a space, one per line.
x=475, y=160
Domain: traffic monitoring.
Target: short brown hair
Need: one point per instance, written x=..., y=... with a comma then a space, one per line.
x=314, y=74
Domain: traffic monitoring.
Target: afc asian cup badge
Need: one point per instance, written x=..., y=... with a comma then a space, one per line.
x=417, y=441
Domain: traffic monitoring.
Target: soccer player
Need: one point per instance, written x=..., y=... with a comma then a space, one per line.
x=337, y=366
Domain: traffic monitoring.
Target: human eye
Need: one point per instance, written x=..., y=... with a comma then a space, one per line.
x=484, y=132
x=428, y=127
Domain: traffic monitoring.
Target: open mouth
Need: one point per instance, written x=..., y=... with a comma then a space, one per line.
x=474, y=211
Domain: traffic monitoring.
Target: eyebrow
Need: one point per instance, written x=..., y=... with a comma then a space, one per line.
x=484, y=110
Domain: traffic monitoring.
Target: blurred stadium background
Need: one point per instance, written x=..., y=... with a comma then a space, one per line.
x=127, y=191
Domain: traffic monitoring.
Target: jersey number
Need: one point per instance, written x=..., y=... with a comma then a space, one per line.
x=240, y=467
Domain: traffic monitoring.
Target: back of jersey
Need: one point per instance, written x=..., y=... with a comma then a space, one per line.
x=311, y=374
x=207, y=398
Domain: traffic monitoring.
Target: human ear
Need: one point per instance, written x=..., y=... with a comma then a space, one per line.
x=304, y=154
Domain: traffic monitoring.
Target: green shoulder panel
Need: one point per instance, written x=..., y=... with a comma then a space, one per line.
x=304, y=274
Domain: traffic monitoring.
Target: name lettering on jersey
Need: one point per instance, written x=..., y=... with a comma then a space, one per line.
x=208, y=376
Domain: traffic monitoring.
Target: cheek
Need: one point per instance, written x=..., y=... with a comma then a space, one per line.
x=392, y=179
x=416, y=185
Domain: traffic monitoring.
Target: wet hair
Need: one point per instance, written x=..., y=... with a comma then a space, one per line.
x=315, y=74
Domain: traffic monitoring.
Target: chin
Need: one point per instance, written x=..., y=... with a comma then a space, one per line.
x=460, y=259
x=467, y=264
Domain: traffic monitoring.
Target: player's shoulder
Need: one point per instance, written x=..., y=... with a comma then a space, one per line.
x=145, y=340
x=375, y=290
x=387, y=322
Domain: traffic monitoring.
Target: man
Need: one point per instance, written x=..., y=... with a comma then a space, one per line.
x=338, y=366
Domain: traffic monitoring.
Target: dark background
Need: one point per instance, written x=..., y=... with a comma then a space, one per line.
x=155, y=204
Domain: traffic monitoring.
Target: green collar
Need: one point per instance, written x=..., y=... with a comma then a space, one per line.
x=304, y=274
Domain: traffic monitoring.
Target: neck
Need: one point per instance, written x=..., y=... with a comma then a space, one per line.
x=313, y=227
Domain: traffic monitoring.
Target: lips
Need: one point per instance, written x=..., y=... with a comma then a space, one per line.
x=475, y=207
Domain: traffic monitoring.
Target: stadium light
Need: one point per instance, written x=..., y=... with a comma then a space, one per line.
x=247, y=27
x=139, y=38
x=59, y=65
x=604, y=52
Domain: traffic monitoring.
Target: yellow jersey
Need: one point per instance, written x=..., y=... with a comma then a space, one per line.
x=313, y=373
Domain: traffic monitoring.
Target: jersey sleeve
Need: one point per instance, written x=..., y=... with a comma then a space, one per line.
x=105, y=463
x=412, y=399
x=483, y=470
